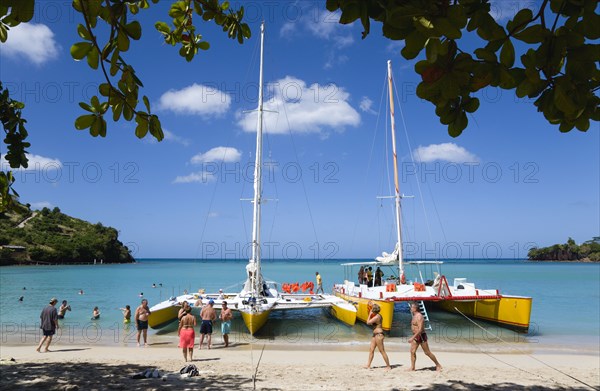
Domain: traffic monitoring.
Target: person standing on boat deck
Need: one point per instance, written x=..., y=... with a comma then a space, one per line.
x=48, y=324
x=208, y=315
x=141, y=320
x=375, y=319
x=419, y=337
x=186, y=333
x=319, y=283
x=369, y=276
x=378, y=276
x=221, y=294
x=64, y=307
x=198, y=302
x=225, y=317
x=361, y=275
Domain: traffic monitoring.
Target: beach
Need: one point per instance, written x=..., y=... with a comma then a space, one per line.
x=290, y=367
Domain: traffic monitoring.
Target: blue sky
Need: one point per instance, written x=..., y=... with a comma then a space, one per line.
x=508, y=182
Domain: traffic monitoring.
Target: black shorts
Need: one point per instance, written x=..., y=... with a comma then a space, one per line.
x=142, y=324
x=61, y=316
x=48, y=333
x=206, y=327
x=421, y=338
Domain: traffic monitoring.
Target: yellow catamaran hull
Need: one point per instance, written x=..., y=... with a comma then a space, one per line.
x=342, y=314
x=162, y=317
x=255, y=320
x=510, y=311
x=362, y=309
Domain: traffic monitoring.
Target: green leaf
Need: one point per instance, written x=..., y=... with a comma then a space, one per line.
x=507, y=55
x=432, y=48
x=122, y=42
x=142, y=126
x=134, y=30
x=83, y=32
x=84, y=121
x=117, y=110
x=486, y=55
x=92, y=58
x=532, y=34
x=162, y=27
x=443, y=26
x=456, y=127
x=414, y=43
x=350, y=12
x=96, y=127
x=522, y=18
x=80, y=50
x=203, y=45
x=591, y=26
x=472, y=105
x=156, y=128
x=86, y=107
x=146, y=103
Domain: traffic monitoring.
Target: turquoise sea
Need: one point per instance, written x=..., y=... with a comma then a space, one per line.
x=565, y=315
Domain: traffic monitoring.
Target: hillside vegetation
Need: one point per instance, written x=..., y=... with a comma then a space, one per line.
x=586, y=252
x=52, y=237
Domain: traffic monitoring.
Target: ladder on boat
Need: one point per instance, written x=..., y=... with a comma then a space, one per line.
x=423, y=312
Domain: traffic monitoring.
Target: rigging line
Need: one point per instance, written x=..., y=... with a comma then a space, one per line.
x=412, y=159
x=524, y=353
x=312, y=222
x=274, y=184
x=366, y=177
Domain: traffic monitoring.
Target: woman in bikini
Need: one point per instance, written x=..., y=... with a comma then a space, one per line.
x=375, y=320
x=186, y=333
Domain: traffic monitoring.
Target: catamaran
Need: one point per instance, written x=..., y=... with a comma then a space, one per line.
x=258, y=298
x=432, y=289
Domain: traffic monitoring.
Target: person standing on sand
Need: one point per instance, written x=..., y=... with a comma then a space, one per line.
x=226, y=317
x=319, y=283
x=141, y=320
x=208, y=315
x=48, y=324
x=375, y=319
x=419, y=337
x=186, y=333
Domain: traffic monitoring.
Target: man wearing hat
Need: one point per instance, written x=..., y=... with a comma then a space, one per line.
x=48, y=324
x=208, y=315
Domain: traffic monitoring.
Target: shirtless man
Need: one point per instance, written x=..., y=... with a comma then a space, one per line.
x=419, y=337
x=208, y=315
x=226, y=317
x=141, y=321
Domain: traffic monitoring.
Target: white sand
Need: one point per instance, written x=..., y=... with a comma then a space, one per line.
x=289, y=367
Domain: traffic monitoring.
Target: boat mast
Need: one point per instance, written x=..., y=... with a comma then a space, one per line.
x=258, y=173
x=397, y=195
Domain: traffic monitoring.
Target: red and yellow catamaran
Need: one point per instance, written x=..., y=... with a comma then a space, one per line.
x=427, y=290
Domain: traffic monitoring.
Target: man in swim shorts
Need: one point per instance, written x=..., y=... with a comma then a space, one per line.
x=419, y=338
x=48, y=324
x=226, y=317
x=208, y=315
x=141, y=320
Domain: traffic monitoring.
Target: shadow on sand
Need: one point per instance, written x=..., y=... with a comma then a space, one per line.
x=454, y=385
x=94, y=376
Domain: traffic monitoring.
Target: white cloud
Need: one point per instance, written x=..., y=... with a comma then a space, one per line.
x=41, y=205
x=366, y=105
x=36, y=163
x=202, y=177
x=448, y=152
x=218, y=154
x=213, y=214
x=309, y=109
x=197, y=99
x=170, y=136
x=503, y=10
x=34, y=42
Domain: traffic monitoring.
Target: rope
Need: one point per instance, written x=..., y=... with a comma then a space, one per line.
x=256, y=370
x=523, y=352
